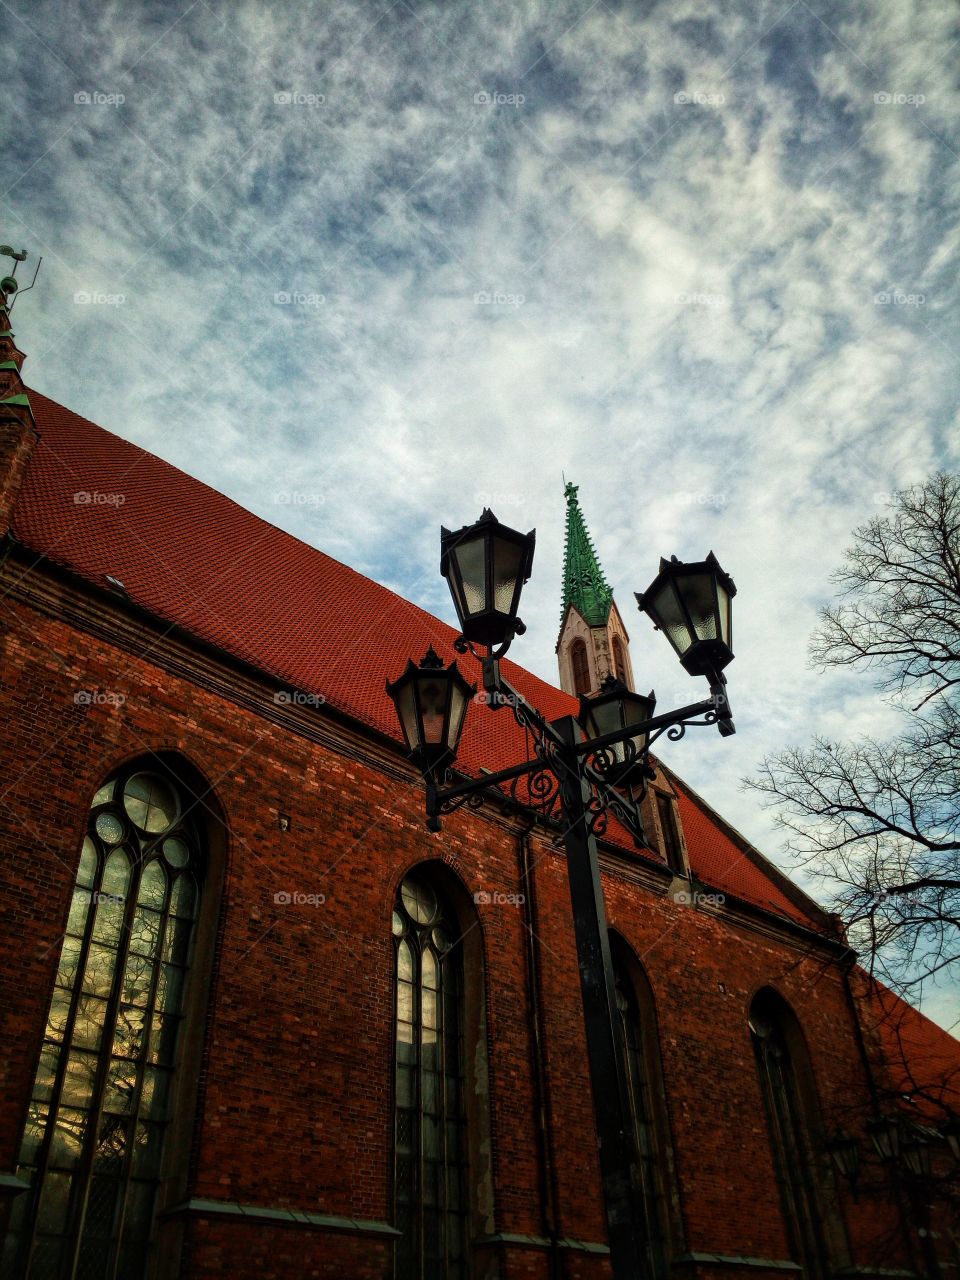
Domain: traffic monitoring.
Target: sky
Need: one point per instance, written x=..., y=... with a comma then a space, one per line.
x=370, y=267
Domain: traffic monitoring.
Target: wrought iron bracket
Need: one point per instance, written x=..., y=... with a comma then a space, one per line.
x=544, y=771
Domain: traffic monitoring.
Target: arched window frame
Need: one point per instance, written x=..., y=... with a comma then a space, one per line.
x=460, y=910
x=660, y=1190
x=805, y=1178
x=661, y=818
x=580, y=666
x=620, y=661
x=198, y=804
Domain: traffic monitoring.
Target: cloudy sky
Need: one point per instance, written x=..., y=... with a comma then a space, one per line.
x=369, y=267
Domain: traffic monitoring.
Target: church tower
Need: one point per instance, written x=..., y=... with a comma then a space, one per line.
x=593, y=641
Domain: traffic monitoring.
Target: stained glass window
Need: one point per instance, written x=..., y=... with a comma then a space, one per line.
x=430, y=1133
x=99, y=1110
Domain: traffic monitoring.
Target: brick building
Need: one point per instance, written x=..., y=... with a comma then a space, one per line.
x=258, y=1021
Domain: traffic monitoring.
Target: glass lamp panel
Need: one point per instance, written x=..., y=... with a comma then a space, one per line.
x=471, y=575
x=459, y=701
x=407, y=711
x=697, y=590
x=606, y=716
x=669, y=616
x=507, y=562
x=433, y=708
x=723, y=600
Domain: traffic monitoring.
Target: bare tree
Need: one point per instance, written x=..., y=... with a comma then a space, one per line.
x=877, y=823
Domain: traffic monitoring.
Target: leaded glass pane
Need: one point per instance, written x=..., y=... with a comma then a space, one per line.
x=419, y=900
x=150, y=803
x=79, y=908
x=59, y=1014
x=87, y=871
x=153, y=886
x=184, y=897
x=98, y=973
x=92, y=1143
x=88, y=1024
x=429, y=1167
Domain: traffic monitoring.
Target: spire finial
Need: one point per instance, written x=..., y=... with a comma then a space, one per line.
x=583, y=582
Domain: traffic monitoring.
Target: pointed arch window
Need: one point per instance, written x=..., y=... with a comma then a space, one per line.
x=430, y=1165
x=786, y=1084
x=640, y=1052
x=581, y=668
x=98, y=1116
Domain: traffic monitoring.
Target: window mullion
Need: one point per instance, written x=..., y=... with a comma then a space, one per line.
x=84, y=1173
x=53, y=1106
x=141, y=1068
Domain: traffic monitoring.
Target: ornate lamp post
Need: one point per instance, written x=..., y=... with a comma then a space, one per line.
x=582, y=770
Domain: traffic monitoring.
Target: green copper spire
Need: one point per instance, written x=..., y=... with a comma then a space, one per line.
x=583, y=582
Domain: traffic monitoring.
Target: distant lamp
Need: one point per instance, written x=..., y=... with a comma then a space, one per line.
x=431, y=702
x=951, y=1131
x=691, y=604
x=845, y=1152
x=884, y=1133
x=617, y=707
x=485, y=565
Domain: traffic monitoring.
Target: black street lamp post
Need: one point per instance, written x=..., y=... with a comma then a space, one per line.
x=583, y=769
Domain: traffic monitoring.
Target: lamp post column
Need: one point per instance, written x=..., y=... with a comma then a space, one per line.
x=617, y=1151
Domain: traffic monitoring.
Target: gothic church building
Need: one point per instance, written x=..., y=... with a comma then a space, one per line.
x=256, y=1020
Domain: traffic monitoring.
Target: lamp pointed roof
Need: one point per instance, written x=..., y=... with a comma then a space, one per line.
x=584, y=585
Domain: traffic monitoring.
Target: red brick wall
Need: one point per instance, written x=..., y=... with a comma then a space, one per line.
x=295, y=1098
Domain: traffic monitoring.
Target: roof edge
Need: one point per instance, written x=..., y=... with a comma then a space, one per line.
x=801, y=900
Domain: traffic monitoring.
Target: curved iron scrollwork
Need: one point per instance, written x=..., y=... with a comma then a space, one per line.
x=473, y=801
x=677, y=730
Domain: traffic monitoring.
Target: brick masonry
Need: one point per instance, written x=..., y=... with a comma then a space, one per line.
x=290, y=1105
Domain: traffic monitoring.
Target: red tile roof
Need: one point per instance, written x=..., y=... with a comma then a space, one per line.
x=97, y=505
x=921, y=1061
